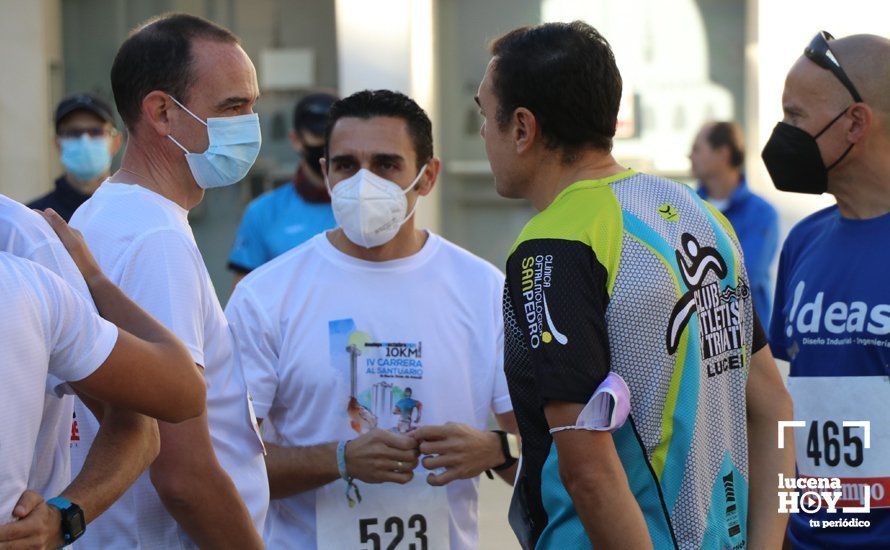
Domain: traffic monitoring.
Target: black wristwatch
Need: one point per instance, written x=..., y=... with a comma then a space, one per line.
x=73, y=524
x=510, y=447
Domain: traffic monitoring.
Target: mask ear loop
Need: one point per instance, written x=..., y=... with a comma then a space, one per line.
x=196, y=117
x=184, y=108
x=829, y=125
x=173, y=139
x=410, y=187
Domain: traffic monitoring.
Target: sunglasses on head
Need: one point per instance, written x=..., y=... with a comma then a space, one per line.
x=820, y=53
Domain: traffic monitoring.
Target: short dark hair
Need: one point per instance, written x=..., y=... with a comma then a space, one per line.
x=565, y=74
x=158, y=56
x=373, y=103
x=728, y=134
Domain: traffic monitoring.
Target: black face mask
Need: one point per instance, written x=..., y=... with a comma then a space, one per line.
x=312, y=156
x=793, y=160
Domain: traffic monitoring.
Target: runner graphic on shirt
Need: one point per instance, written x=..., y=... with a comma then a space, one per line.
x=404, y=408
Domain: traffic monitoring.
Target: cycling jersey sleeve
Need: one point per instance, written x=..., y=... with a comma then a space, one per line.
x=557, y=295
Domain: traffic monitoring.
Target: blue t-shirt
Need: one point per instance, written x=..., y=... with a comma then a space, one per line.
x=756, y=223
x=832, y=322
x=274, y=223
x=406, y=406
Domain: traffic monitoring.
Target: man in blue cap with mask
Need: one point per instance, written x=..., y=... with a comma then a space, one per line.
x=87, y=140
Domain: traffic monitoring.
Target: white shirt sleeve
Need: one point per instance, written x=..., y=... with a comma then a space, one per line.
x=161, y=273
x=500, y=398
x=51, y=254
x=79, y=340
x=256, y=347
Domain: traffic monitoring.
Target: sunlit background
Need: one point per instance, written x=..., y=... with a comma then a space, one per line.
x=683, y=61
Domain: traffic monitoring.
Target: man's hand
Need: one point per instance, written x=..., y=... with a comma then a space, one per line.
x=463, y=452
x=380, y=456
x=39, y=525
x=74, y=243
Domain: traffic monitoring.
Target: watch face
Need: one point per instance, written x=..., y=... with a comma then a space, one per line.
x=73, y=523
x=513, y=443
x=77, y=525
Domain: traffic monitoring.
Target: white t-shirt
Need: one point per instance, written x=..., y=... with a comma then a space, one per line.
x=46, y=330
x=24, y=233
x=430, y=322
x=144, y=244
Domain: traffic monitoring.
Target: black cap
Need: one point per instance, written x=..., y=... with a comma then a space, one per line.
x=84, y=102
x=311, y=113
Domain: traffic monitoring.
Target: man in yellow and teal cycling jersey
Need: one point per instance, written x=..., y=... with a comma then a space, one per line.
x=629, y=277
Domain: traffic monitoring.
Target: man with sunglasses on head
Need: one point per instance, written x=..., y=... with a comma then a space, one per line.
x=87, y=141
x=831, y=317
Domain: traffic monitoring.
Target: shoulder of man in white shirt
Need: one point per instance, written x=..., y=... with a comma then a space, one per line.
x=291, y=261
x=125, y=211
x=464, y=259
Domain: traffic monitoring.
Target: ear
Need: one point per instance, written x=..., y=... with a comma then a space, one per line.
x=428, y=181
x=324, y=168
x=295, y=140
x=116, y=141
x=156, y=107
x=863, y=118
x=525, y=130
x=58, y=143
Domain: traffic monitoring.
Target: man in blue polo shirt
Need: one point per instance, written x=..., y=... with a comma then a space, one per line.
x=832, y=313
x=718, y=158
x=284, y=218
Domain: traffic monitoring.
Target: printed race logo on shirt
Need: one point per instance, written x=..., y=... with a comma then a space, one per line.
x=385, y=378
x=537, y=272
x=719, y=312
x=386, y=391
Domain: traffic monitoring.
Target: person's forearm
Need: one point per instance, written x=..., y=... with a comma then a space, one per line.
x=766, y=527
x=507, y=422
x=210, y=511
x=611, y=516
x=508, y=474
x=124, y=447
x=197, y=491
x=592, y=473
x=116, y=307
x=294, y=470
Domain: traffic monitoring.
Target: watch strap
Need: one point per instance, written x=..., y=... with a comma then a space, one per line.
x=60, y=503
x=509, y=459
x=73, y=524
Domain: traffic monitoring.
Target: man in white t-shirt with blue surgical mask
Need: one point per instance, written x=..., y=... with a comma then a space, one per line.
x=343, y=340
x=185, y=90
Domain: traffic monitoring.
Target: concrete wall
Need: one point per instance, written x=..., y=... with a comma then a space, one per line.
x=31, y=65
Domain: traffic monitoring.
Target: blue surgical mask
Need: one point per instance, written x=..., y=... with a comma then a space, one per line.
x=234, y=143
x=85, y=158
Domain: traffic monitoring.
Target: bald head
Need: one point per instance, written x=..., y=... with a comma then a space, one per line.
x=813, y=95
x=864, y=59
